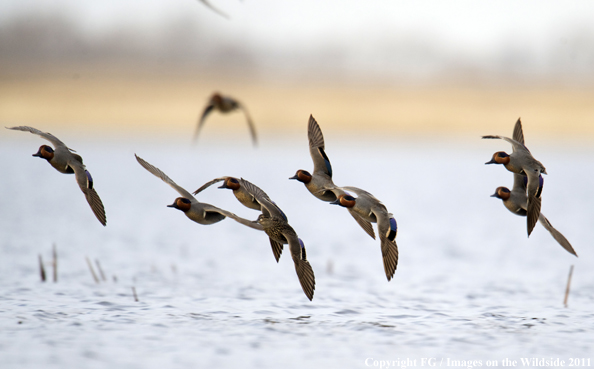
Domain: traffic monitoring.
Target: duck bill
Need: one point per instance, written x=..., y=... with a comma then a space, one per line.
x=492, y=161
x=494, y=195
x=172, y=205
x=224, y=185
x=335, y=202
x=38, y=154
x=294, y=177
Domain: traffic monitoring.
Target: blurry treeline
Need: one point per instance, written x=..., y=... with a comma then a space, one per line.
x=45, y=40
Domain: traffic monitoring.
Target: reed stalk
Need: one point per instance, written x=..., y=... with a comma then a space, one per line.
x=100, y=270
x=41, y=269
x=92, y=270
x=568, y=285
x=55, y=262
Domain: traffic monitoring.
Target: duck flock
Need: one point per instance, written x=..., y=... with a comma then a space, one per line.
x=524, y=199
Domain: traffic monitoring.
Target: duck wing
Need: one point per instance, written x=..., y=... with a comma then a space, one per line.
x=158, y=173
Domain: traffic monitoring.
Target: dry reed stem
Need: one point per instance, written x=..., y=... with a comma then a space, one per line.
x=55, y=262
x=568, y=285
x=134, y=293
x=41, y=269
x=100, y=270
x=92, y=270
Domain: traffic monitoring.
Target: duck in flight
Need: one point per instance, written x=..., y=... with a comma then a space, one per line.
x=225, y=104
x=521, y=161
x=64, y=160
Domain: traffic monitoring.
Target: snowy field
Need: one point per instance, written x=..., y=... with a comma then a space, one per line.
x=469, y=286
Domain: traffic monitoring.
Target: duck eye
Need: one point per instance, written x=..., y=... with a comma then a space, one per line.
x=233, y=180
x=306, y=173
x=48, y=149
x=349, y=198
x=184, y=200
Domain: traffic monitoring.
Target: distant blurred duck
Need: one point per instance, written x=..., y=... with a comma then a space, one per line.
x=65, y=161
x=276, y=226
x=521, y=161
x=320, y=183
x=516, y=200
x=225, y=104
x=199, y=212
x=370, y=209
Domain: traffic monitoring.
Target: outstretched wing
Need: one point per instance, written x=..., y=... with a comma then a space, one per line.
x=277, y=249
x=557, y=235
x=532, y=213
x=48, y=136
x=238, y=219
x=304, y=270
x=269, y=208
x=205, y=113
x=534, y=186
x=158, y=173
x=317, y=150
x=516, y=146
x=250, y=124
x=85, y=182
x=208, y=184
x=386, y=230
x=359, y=192
x=390, y=256
x=314, y=133
x=518, y=134
x=367, y=227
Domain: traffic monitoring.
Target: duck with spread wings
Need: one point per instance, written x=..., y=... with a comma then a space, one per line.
x=64, y=160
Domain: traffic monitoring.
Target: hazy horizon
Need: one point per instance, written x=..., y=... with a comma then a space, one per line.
x=387, y=68
x=393, y=43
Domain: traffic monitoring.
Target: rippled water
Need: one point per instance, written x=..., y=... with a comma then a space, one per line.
x=469, y=285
